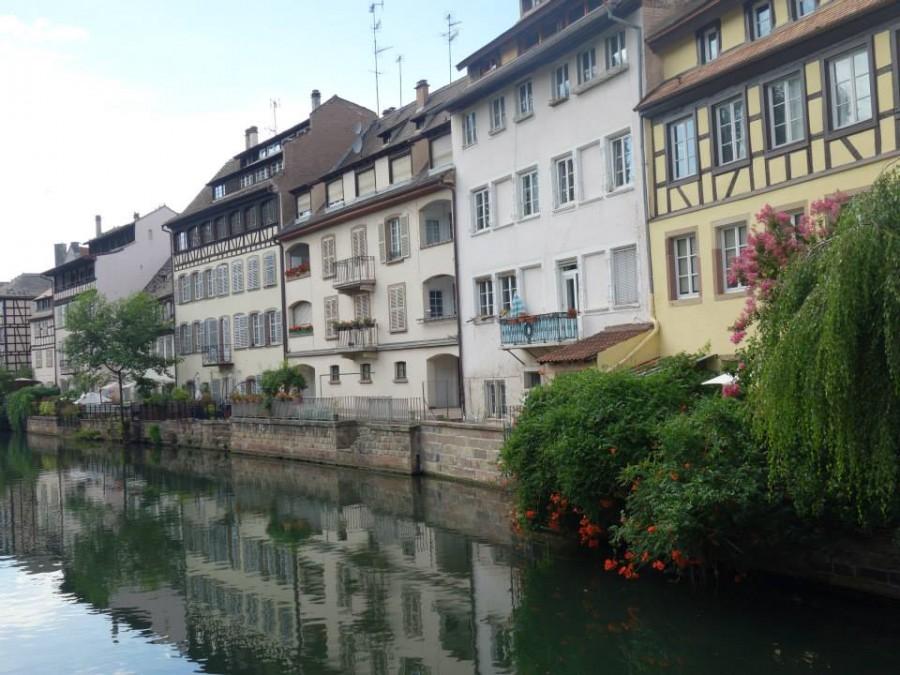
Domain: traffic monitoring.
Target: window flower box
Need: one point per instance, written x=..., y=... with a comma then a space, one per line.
x=354, y=324
x=297, y=272
x=301, y=330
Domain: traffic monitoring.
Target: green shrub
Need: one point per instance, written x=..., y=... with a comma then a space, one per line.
x=181, y=395
x=286, y=378
x=87, y=435
x=576, y=434
x=702, y=494
x=155, y=434
x=47, y=408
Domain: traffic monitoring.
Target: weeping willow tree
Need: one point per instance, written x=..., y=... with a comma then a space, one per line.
x=825, y=385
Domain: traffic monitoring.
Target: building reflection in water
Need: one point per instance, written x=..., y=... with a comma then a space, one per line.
x=238, y=561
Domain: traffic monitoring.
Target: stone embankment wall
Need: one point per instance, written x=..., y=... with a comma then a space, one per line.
x=468, y=452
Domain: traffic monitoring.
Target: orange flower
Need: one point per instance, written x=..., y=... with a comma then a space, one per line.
x=645, y=556
x=629, y=555
x=530, y=514
x=651, y=529
x=659, y=565
x=609, y=564
x=673, y=475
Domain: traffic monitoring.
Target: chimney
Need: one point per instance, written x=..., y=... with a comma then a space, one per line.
x=59, y=254
x=98, y=224
x=137, y=216
x=251, y=137
x=421, y=94
x=388, y=111
x=315, y=99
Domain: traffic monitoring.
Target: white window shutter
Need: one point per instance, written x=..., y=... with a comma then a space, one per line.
x=245, y=331
x=177, y=340
x=397, y=307
x=226, y=332
x=382, y=252
x=202, y=327
x=331, y=315
x=624, y=263
x=269, y=270
x=404, y=236
x=237, y=276
x=277, y=332
x=253, y=273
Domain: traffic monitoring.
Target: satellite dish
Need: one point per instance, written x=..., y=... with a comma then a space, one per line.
x=357, y=128
x=357, y=145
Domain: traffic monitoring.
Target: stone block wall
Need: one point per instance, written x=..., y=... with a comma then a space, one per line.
x=462, y=451
x=309, y=440
x=46, y=426
x=385, y=447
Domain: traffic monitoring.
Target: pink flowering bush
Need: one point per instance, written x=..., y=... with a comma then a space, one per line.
x=771, y=247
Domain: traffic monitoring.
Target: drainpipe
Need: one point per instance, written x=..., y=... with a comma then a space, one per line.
x=640, y=62
x=461, y=385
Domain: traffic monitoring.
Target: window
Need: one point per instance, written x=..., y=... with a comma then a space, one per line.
x=526, y=99
x=253, y=273
x=482, y=203
x=334, y=375
x=328, y=257
x=494, y=398
x=304, y=207
x=365, y=182
x=803, y=7
x=587, y=65
x=529, y=202
x=250, y=218
x=235, y=224
x=182, y=241
x=564, y=176
x=616, y=55
x=298, y=259
x=206, y=232
x=241, y=331
x=301, y=315
x=221, y=228
x=237, y=276
x=362, y=306
x=365, y=372
x=401, y=169
x=435, y=303
x=198, y=331
x=561, y=83
x=620, y=170
x=470, y=135
x=273, y=326
x=184, y=294
x=682, y=148
x=269, y=213
x=851, y=96
x=569, y=281
x=269, y=276
x=730, y=134
x=498, y=113
x=397, y=307
x=709, y=44
x=195, y=237
x=222, y=280
x=441, y=151
x=507, y=291
x=785, y=101
x=687, y=273
x=257, y=330
x=625, y=277
x=400, y=371
x=760, y=19
x=436, y=231
x=210, y=278
x=732, y=240
x=197, y=283
x=186, y=342
x=331, y=316
x=484, y=289
x=394, y=242
x=335, y=192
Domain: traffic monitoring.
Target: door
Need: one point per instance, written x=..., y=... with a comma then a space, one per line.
x=358, y=245
x=568, y=273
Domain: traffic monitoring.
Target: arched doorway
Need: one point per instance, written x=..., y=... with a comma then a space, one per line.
x=443, y=381
x=309, y=374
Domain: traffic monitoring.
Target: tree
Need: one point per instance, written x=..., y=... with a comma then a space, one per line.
x=116, y=336
x=824, y=367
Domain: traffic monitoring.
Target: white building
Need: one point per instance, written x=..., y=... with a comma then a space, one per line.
x=549, y=196
x=43, y=349
x=116, y=263
x=370, y=271
x=227, y=263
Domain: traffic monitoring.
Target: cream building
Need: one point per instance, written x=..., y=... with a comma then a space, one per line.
x=370, y=266
x=43, y=348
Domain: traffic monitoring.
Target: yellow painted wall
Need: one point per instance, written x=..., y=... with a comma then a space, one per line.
x=680, y=57
x=733, y=31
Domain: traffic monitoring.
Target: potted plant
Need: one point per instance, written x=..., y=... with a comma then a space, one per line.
x=301, y=330
x=297, y=271
x=572, y=313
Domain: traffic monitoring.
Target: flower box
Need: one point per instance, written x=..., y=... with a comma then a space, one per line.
x=297, y=272
x=300, y=331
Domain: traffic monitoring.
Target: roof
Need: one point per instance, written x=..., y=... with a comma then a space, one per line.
x=162, y=283
x=827, y=17
x=24, y=286
x=688, y=11
x=588, y=348
x=317, y=160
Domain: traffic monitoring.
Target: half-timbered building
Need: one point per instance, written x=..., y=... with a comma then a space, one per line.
x=777, y=102
x=15, y=311
x=227, y=263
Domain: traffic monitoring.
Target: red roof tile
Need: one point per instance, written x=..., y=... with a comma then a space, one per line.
x=588, y=348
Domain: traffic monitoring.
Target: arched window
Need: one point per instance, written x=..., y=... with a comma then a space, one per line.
x=301, y=319
x=297, y=263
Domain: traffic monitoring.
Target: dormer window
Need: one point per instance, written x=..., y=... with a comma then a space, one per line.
x=710, y=44
x=760, y=19
x=803, y=7
x=304, y=208
x=219, y=191
x=365, y=182
x=401, y=169
x=335, y=192
x=528, y=5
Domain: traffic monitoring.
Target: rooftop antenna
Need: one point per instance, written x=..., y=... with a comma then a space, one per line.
x=400, y=71
x=376, y=26
x=451, y=34
x=274, y=103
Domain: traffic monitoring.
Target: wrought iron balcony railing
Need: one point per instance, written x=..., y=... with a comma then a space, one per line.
x=538, y=329
x=357, y=273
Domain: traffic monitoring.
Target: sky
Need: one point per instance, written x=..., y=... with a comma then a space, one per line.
x=110, y=107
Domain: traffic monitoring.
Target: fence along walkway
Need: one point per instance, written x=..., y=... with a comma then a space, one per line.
x=369, y=408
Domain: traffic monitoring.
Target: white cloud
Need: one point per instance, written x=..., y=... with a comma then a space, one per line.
x=40, y=30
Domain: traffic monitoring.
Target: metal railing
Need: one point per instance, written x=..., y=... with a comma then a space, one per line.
x=217, y=356
x=353, y=339
x=362, y=408
x=538, y=329
x=354, y=271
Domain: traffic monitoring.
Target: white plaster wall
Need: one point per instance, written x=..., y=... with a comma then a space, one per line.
x=600, y=221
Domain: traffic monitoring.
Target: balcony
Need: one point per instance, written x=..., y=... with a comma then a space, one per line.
x=355, y=275
x=536, y=330
x=357, y=340
x=217, y=356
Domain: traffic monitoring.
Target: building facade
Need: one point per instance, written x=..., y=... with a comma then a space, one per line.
x=16, y=298
x=162, y=287
x=550, y=215
x=43, y=349
x=115, y=263
x=226, y=260
x=777, y=102
x=370, y=267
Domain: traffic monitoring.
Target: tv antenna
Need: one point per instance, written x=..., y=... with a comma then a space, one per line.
x=451, y=34
x=400, y=72
x=376, y=51
x=274, y=103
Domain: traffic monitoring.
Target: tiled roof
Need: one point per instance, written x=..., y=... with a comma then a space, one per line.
x=825, y=18
x=162, y=284
x=24, y=286
x=588, y=348
x=688, y=10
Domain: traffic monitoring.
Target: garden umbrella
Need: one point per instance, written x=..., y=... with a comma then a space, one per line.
x=722, y=379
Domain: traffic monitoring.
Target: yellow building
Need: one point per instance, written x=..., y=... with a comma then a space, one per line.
x=776, y=102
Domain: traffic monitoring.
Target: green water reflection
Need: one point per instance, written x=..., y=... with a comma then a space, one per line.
x=202, y=562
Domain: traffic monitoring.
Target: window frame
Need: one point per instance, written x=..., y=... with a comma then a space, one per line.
x=398, y=367
x=795, y=9
x=723, y=258
x=469, y=129
x=484, y=208
x=508, y=283
x=485, y=293
x=520, y=113
x=621, y=49
x=498, y=124
x=752, y=8
x=693, y=174
x=555, y=83
x=832, y=130
x=534, y=203
x=593, y=71
x=627, y=167
x=694, y=271
x=703, y=44
x=769, y=112
x=571, y=183
x=714, y=109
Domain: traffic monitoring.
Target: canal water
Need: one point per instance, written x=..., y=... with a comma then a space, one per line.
x=163, y=562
